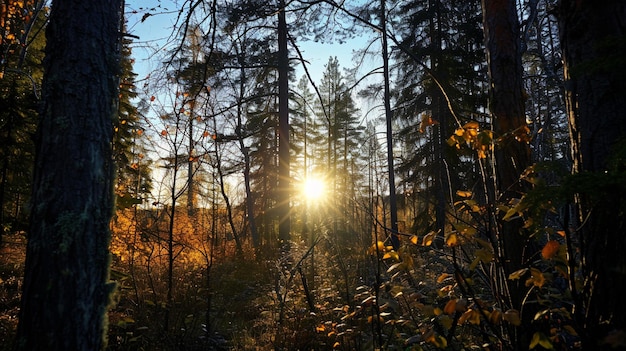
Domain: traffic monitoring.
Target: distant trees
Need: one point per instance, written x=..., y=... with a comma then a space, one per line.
x=67, y=256
x=21, y=52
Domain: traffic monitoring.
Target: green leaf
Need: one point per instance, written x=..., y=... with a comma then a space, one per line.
x=542, y=340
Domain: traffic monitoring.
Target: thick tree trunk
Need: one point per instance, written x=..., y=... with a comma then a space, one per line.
x=593, y=39
x=66, y=289
x=512, y=155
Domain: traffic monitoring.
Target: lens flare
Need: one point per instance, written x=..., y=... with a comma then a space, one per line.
x=313, y=188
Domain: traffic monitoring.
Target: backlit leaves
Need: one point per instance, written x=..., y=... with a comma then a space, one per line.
x=536, y=278
x=429, y=238
x=550, y=249
x=426, y=121
x=470, y=136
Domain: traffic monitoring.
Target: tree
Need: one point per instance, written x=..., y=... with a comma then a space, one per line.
x=133, y=180
x=284, y=178
x=593, y=42
x=512, y=155
x=21, y=52
x=67, y=259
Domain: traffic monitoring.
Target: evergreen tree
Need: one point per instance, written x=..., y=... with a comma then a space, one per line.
x=21, y=45
x=133, y=176
x=338, y=133
x=440, y=85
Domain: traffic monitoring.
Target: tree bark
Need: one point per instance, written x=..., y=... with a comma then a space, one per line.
x=66, y=287
x=512, y=155
x=593, y=40
x=284, y=179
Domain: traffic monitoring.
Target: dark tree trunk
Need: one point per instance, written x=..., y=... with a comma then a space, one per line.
x=393, y=202
x=593, y=39
x=66, y=286
x=284, y=179
x=502, y=39
x=512, y=155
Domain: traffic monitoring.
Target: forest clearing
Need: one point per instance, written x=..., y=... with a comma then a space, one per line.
x=459, y=183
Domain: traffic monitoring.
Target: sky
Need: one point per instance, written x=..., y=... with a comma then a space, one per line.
x=154, y=34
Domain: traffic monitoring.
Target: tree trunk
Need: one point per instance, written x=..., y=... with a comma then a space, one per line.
x=512, y=155
x=393, y=203
x=593, y=39
x=66, y=285
x=284, y=181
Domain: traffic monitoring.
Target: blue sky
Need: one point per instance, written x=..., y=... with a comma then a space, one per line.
x=155, y=35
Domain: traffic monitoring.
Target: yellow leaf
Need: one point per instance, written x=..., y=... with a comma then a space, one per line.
x=452, y=240
x=464, y=193
x=471, y=125
x=393, y=255
x=378, y=247
x=551, y=249
x=518, y=274
x=336, y=345
x=536, y=278
x=428, y=238
x=443, y=277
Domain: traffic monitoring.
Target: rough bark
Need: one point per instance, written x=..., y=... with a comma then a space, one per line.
x=593, y=40
x=512, y=155
x=66, y=287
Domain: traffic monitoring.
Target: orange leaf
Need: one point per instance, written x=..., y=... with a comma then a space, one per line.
x=415, y=240
x=152, y=98
x=443, y=277
x=452, y=240
x=464, y=193
x=428, y=238
x=450, y=307
x=551, y=249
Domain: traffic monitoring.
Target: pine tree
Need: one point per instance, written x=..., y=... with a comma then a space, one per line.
x=133, y=178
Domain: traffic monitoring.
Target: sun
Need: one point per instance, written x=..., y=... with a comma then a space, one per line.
x=313, y=189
